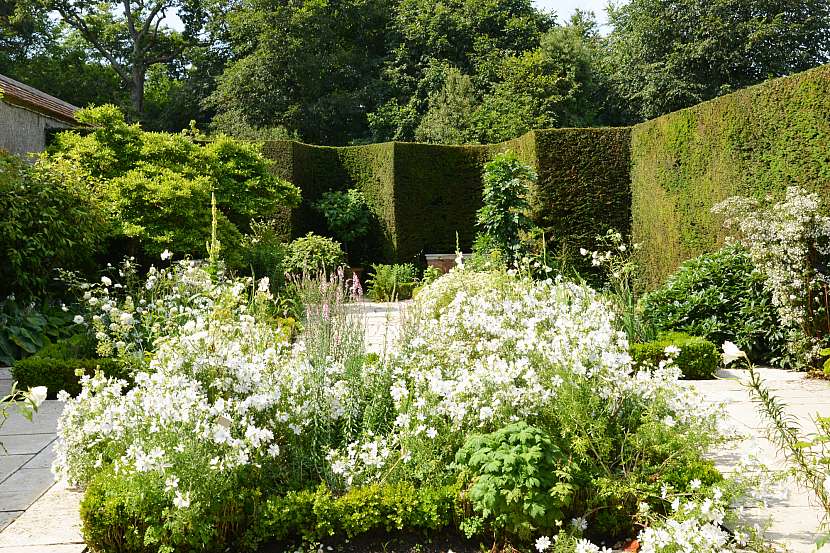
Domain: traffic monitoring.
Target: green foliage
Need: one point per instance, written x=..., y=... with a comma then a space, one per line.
x=312, y=254
x=392, y=282
x=25, y=330
x=582, y=189
x=518, y=480
x=665, y=56
x=503, y=218
x=62, y=374
x=346, y=213
x=77, y=346
x=698, y=358
x=159, y=185
x=719, y=296
x=264, y=251
x=48, y=219
x=751, y=143
x=317, y=515
x=132, y=513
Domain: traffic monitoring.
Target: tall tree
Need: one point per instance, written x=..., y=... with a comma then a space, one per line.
x=426, y=36
x=131, y=35
x=670, y=54
x=305, y=67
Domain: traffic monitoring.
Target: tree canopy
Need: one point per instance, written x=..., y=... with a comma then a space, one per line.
x=354, y=71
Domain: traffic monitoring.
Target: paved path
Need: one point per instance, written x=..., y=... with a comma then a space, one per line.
x=51, y=524
x=795, y=518
x=26, y=456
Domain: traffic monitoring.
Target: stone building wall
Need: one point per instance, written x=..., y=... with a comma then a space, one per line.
x=23, y=131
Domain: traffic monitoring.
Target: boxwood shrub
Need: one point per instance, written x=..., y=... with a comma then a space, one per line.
x=128, y=515
x=61, y=374
x=698, y=358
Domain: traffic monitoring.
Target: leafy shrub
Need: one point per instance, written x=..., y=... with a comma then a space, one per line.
x=698, y=358
x=78, y=346
x=158, y=185
x=504, y=217
x=482, y=350
x=719, y=296
x=313, y=254
x=61, y=374
x=48, y=219
x=25, y=330
x=264, y=252
x=518, y=479
x=133, y=513
x=346, y=213
x=392, y=282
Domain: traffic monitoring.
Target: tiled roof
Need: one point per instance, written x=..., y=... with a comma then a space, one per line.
x=20, y=94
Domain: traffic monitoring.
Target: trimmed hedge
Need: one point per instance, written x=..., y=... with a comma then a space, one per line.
x=60, y=374
x=424, y=194
x=753, y=142
x=120, y=514
x=698, y=358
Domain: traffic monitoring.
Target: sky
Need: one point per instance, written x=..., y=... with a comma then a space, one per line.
x=564, y=8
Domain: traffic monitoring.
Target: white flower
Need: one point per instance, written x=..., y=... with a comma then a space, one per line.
x=38, y=394
x=106, y=281
x=580, y=523
x=166, y=254
x=731, y=352
x=584, y=546
x=182, y=500
x=171, y=483
x=583, y=251
x=542, y=543
x=264, y=285
x=695, y=484
x=431, y=433
x=79, y=319
x=672, y=350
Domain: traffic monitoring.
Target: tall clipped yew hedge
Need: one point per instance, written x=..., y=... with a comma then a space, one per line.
x=425, y=194
x=754, y=142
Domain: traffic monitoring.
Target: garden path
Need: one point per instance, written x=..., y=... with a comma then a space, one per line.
x=51, y=523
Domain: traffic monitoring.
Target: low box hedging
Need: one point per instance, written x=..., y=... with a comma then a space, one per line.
x=118, y=515
x=61, y=374
x=698, y=357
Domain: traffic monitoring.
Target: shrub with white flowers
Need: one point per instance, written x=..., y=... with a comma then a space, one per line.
x=789, y=243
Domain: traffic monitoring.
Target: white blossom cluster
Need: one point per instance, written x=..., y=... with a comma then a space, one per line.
x=694, y=527
x=225, y=392
x=485, y=350
x=784, y=239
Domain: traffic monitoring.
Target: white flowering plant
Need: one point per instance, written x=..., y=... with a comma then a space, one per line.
x=127, y=312
x=485, y=350
x=615, y=258
x=229, y=413
x=227, y=407
x=789, y=244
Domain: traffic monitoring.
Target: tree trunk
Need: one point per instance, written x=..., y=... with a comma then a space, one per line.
x=137, y=88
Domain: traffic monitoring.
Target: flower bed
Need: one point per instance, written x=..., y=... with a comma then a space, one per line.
x=510, y=411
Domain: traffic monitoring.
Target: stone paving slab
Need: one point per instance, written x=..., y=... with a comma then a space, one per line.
x=23, y=487
x=25, y=463
x=51, y=525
